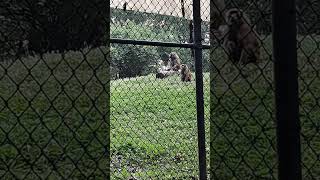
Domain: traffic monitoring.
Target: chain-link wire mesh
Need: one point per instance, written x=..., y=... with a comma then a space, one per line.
x=128, y=24
x=55, y=73
x=54, y=90
x=308, y=57
x=242, y=125
x=153, y=121
x=243, y=136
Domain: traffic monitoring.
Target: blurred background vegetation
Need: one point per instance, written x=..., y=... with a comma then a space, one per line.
x=72, y=25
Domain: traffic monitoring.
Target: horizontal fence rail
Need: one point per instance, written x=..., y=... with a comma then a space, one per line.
x=158, y=43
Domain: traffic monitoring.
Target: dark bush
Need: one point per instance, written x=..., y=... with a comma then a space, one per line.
x=54, y=25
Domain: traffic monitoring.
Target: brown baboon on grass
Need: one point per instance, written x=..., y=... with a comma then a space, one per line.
x=185, y=73
x=175, y=61
x=160, y=75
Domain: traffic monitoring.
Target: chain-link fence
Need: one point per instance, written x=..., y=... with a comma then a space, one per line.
x=242, y=107
x=154, y=120
x=54, y=90
x=63, y=100
x=242, y=123
x=243, y=111
x=234, y=150
x=308, y=57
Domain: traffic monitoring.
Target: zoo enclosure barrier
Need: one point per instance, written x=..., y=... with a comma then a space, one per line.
x=195, y=43
x=54, y=110
x=285, y=78
x=54, y=90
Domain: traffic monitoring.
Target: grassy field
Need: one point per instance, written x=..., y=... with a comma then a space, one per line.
x=53, y=120
x=158, y=116
x=54, y=117
x=153, y=128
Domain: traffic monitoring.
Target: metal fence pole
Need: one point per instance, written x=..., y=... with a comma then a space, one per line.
x=199, y=89
x=286, y=74
x=108, y=116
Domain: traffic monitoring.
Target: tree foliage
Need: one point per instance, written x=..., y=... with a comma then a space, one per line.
x=57, y=25
x=260, y=12
x=53, y=25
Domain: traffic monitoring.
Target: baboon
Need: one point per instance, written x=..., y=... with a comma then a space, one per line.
x=175, y=61
x=163, y=65
x=220, y=33
x=241, y=42
x=233, y=50
x=185, y=73
x=160, y=75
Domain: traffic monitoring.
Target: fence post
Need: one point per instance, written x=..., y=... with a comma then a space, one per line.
x=107, y=118
x=286, y=89
x=199, y=89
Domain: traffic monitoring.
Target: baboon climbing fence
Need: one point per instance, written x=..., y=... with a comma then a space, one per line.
x=79, y=96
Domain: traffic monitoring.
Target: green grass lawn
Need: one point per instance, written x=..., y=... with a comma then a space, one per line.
x=153, y=128
x=154, y=121
x=54, y=117
x=53, y=120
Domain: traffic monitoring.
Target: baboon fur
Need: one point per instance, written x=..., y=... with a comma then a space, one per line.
x=160, y=75
x=185, y=73
x=241, y=41
x=175, y=61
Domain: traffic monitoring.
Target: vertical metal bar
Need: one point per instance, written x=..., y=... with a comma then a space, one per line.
x=107, y=118
x=182, y=9
x=199, y=89
x=286, y=74
x=191, y=36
